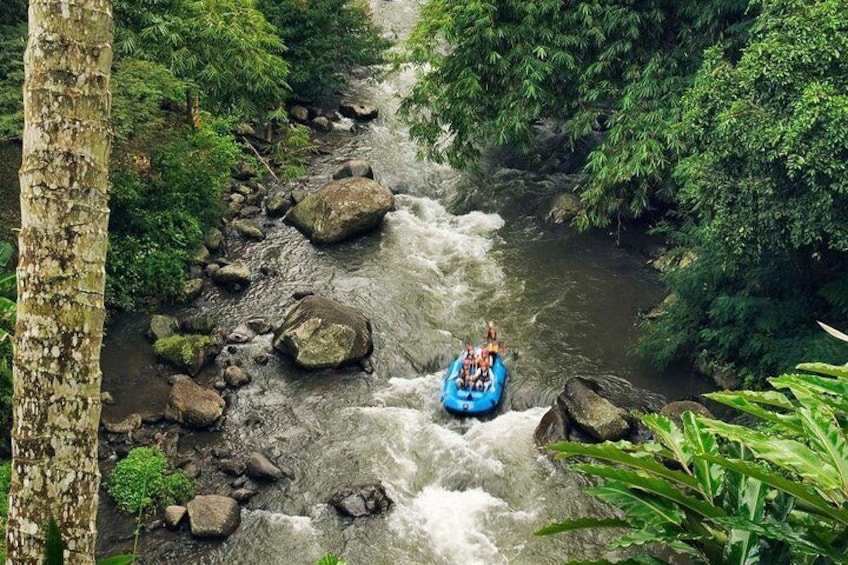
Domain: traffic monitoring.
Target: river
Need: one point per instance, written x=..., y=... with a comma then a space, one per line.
x=466, y=491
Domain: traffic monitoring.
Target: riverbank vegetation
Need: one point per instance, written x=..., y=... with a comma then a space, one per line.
x=719, y=120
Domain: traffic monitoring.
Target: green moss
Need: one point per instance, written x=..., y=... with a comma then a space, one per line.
x=188, y=352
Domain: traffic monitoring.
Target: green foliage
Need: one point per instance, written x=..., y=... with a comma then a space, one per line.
x=8, y=292
x=764, y=187
x=224, y=50
x=728, y=494
x=162, y=202
x=330, y=559
x=323, y=37
x=614, y=72
x=13, y=33
x=141, y=482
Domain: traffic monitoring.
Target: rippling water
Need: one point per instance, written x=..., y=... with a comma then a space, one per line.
x=466, y=491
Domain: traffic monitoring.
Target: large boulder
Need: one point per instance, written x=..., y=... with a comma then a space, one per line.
x=187, y=352
x=341, y=209
x=320, y=333
x=213, y=516
x=553, y=428
x=192, y=405
x=247, y=229
x=236, y=275
x=592, y=413
x=162, y=326
x=365, y=500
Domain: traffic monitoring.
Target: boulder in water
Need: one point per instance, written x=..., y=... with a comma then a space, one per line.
x=162, y=326
x=674, y=410
x=364, y=500
x=213, y=516
x=187, y=352
x=320, y=333
x=192, y=405
x=248, y=229
x=341, y=209
x=553, y=428
x=592, y=413
x=358, y=111
x=260, y=468
x=236, y=275
x=564, y=208
x=277, y=205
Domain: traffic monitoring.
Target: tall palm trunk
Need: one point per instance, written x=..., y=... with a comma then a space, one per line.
x=64, y=216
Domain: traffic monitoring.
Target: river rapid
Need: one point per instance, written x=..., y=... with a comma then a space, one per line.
x=459, y=249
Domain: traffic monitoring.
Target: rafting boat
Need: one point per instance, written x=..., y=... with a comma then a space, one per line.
x=472, y=402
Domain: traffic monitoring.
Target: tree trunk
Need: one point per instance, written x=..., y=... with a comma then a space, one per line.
x=64, y=217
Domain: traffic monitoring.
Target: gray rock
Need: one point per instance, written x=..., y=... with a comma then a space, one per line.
x=342, y=209
x=322, y=123
x=192, y=289
x=244, y=190
x=247, y=229
x=592, y=413
x=299, y=114
x=232, y=467
x=553, y=428
x=232, y=275
x=212, y=268
x=192, y=405
x=355, y=168
x=250, y=212
x=674, y=410
x=277, y=205
x=202, y=256
x=174, y=515
x=259, y=326
x=243, y=170
x=162, y=326
x=260, y=468
x=357, y=111
x=213, y=239
x=197, y=324
x=125, y=426
x=191, y=470
x=236, y=376
x=241, y=334
x=297, y=195
x=564, y=208
x=365, y=500
x=213, y=516
x=322, y=333
x=242, y=495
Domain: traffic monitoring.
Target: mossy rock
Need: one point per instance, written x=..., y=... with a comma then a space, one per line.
x=187, y=352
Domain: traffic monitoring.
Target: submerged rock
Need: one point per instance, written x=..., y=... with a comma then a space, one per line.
x=365, y=500
x=193, y=405
x=236, y=376
x=321, y=333
x=187, y=352
x=260, y=468
x=355, y=168
x=342, y=209
x=564, y=208
x=213, y=516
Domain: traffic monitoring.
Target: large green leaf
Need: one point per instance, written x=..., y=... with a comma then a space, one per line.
x=6, y=252
x=667, y=433
x=806, y=388
x=751, y=402
x=54, y=553
x=610, y=452
x=785, y=533
x=709, y=475
x=812, y=500
x=652, y=485
x=838, y=371
x=644, y=508
x=788, y=454
x=746, y=498
x=674, y=539
x=829, y=439
x=582, y=524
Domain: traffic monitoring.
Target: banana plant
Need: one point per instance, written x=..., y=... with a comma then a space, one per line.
x=775, y=492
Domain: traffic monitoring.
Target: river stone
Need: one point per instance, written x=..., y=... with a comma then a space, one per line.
x=243, y=170
x=260, y=468
x=213, y=516
x=125, y=426
x=277, y=205
x=213, y=239
x=202, y=256
x=299, y=114
x=162, y=326
x=242, y=495
x=365, y=500
x=674, y=410
x=174, y=515
x=187, y=352
x=197, y=324
x=247, y=229
x=237, y=274
x=192, y=405
x=251, y=212
x=355, y=168
x=232, y=467
x=357, y=111
x=320, y=333
x=592, y=413
x=341, y=209
x=322, y=123
x=236, y=376
x=564, y=208
x=553, y=428
x=192, y=289
x=259, y=326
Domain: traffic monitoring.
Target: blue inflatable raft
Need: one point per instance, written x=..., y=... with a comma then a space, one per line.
x=471, y=402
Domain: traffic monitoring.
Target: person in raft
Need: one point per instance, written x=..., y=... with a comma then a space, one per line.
x=484, y=379
x=493, y=346
x=467, y=373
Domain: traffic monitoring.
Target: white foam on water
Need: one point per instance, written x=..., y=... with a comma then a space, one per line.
x=454, y=525
x=418, y=392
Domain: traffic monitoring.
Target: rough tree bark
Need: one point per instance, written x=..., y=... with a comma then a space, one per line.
x=64, y=209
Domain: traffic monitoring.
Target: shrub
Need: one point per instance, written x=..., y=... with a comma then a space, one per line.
x=142, y=482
